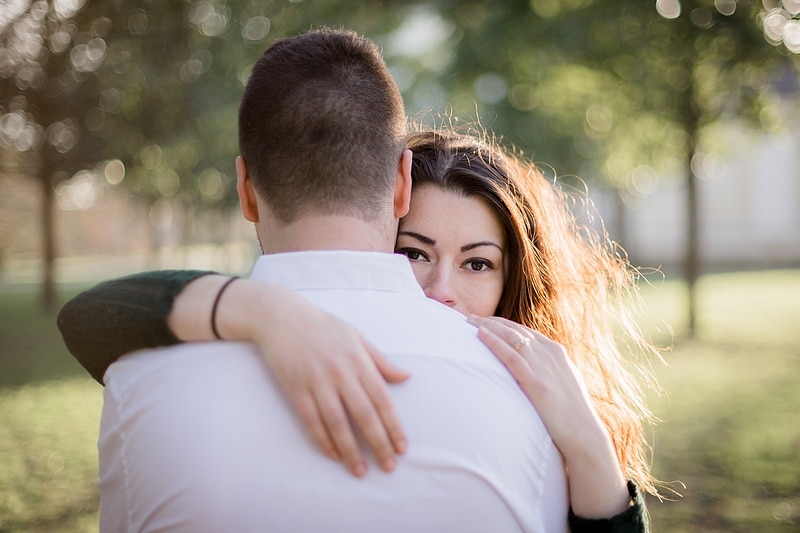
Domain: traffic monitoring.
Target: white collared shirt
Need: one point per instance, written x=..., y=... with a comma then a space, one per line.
x=198, y=437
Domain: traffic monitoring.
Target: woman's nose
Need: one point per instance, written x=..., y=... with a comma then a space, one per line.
x=440, y=287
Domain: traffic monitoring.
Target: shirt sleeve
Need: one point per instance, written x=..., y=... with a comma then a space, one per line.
x=632, y=520
x=122, y=315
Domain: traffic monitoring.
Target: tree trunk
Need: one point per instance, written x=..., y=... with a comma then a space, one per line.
x=692, y=260
x=48, y=295
x=620, y=219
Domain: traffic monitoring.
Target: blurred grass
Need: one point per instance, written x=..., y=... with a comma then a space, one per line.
x=30, y=345
x=49, y=415
x=730, y=427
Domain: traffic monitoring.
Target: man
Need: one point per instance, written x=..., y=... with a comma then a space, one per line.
x=200, y=438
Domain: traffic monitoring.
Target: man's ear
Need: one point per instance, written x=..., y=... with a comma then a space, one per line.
x=402, y=185
x=247, y=194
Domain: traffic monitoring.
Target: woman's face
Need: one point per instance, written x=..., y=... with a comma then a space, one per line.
x=456, y=246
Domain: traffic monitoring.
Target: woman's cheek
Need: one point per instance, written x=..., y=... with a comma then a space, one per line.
x=421, y=272
x=492, y=294
x=480, y=296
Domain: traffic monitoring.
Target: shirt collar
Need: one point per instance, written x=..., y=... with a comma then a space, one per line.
x=338, y=269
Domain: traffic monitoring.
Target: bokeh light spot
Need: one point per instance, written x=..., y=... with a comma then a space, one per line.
x=66, y=9
x=209, y=183
x=490, y=88
x=643, y=180
x=725, y=7
x=79, y=193
x=791, y=6
x=669, y=9
x=210, y=19
x=701, y=17
x=791, y=36
x=522, y=97
x=114, y=172
x=168, y=183
x=63, y=135
x=138, y=23
x=151, y=156
x=256, y=28
x=599, y=118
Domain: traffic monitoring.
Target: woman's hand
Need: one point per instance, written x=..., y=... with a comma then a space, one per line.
x=336, y=380
x=329, y=372
x=556, y=389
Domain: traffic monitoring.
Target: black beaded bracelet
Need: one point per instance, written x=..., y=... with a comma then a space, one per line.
x=216, y=303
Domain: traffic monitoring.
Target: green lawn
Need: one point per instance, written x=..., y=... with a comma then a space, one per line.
x=730, y=429
x=49, y=413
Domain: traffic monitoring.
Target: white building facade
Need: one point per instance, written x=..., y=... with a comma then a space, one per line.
x=749, y=209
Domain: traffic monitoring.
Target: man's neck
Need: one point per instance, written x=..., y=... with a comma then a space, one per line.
x=326, y=232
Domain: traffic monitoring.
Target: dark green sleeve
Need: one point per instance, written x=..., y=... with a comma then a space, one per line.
x=632, y=520
x=120, y=316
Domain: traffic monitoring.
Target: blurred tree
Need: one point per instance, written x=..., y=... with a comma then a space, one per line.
x=174, y=75
x=710, y=61
x=620, y=92
x=616, y=91
x=161, y=101
x=49, y=55
x=143, y=93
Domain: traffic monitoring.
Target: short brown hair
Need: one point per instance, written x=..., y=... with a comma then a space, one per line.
x=322, y=126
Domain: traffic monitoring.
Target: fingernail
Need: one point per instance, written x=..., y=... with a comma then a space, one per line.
x=389, y=464
x=401, y=446
x=360, y=470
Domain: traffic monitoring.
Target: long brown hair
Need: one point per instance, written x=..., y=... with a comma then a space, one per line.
x=564, y=279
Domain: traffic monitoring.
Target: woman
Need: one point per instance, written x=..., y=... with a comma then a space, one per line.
x=486, y=235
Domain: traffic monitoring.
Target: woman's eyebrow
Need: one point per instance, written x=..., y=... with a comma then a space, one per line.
x=422, y=238
x=472, y=246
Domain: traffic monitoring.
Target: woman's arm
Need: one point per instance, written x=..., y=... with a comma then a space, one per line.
x=598, y=489
x=329, y=372
x=120, y=316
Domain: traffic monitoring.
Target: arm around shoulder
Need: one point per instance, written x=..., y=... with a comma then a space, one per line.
x=122, y=315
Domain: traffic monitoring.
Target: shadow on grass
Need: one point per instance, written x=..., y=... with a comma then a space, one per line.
x=31, y=349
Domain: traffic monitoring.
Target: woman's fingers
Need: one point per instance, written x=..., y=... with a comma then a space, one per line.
x=306, y=407
x=513, y=334
x=511, y=358
x=334, y=415
x=336, y=380
x=359, y=401
x=379, y=393
x=367, y=418
x=390, y=372
x=364, y=392
x=338, y=383
x=332, y=412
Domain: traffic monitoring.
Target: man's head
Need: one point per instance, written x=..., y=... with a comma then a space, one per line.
x=322, y=128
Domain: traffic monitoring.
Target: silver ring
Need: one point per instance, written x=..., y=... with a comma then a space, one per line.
x=521, y=343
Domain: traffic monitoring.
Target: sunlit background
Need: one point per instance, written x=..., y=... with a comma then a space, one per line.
x=680, y=118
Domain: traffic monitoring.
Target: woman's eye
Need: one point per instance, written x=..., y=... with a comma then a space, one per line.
x=413, y=254
x=478, y=265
